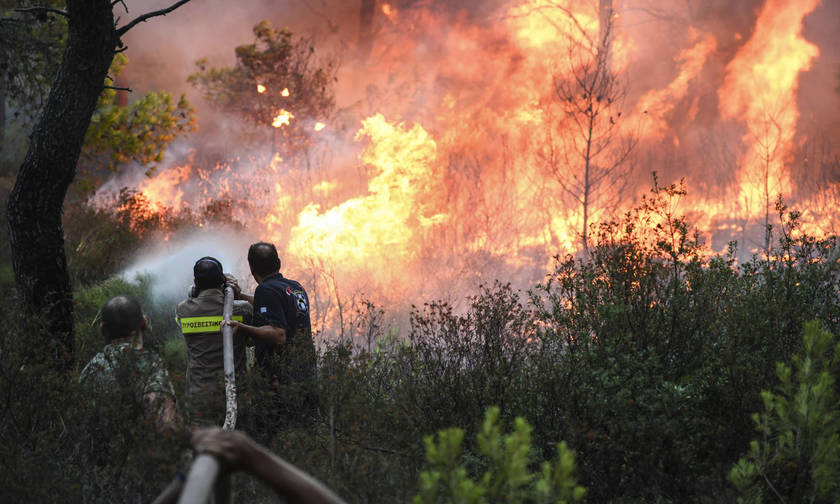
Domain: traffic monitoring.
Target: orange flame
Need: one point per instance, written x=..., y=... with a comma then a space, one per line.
x=380, y=230
x=760, y=90
x=389, y=11
x=658, y=103
x=455, y=182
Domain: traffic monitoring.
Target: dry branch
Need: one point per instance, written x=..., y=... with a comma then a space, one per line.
x=162, y=12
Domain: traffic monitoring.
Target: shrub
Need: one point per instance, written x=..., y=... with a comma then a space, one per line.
x=797, y=458
x=505, y=462
x=52, y=434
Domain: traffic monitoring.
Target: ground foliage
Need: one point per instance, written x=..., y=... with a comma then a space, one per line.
x=647, y=357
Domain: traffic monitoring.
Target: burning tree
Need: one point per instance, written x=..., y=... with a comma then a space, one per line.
x=586, y=152
x=276, y=82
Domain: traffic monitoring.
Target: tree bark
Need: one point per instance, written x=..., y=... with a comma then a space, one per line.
x=35, y=204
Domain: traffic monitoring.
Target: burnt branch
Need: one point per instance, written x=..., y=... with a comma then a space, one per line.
x=145, y=17
x=41, y=11
x=118, y=88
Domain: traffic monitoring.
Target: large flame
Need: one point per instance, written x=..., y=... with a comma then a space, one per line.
x=760, y=90
x=381, y=229
x=456, y=115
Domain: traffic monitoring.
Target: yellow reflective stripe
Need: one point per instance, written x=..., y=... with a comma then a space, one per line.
x=203, y=324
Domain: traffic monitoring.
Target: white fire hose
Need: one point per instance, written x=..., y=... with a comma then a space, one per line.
x=230, y=377
x=202, y=476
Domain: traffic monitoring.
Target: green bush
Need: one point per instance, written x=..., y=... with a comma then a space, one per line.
x=797, y=458
x=647, y=356
x=161, y=330
x=505, y=463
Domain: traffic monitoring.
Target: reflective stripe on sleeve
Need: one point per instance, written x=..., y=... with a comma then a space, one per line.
x=203, y=324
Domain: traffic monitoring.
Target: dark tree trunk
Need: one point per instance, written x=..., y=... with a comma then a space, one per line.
x=366, y=11
x=35, y=204
x=2, y=111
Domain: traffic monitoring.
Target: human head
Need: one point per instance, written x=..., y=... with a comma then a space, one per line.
x=263, y=259
x=122, y=318
x=208, y=274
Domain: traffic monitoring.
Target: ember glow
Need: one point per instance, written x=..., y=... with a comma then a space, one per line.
x=282, y=118
x=452, y=159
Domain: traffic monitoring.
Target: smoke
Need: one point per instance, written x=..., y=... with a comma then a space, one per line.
x=478, y=78
x=169, y=264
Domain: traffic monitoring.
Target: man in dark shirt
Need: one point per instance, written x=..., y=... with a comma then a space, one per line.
x=283, y=348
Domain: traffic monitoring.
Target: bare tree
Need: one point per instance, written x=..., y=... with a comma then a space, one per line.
x=587, y=154
x=35, y=204
x=768, y=146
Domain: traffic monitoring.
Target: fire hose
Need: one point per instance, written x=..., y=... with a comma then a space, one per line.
x=230, y=377
x=203, y=473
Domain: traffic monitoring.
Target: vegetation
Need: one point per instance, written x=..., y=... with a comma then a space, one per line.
x=507, y=459
x=647, y=370
x=34, y=208
x=648, y=358
x=138, y=131
x=798, y=457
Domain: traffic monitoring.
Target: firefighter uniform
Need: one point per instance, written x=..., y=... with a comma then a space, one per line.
x=289, y=367
x=200, y=319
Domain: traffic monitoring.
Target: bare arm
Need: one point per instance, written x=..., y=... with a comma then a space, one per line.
x=167, y=415
x=238, y=451
x=266, y=333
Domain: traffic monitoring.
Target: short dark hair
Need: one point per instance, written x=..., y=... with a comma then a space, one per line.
x=208, y=273
x=121, y=316
x=263, y=258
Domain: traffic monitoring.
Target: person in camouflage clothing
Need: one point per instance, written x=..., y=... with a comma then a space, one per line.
x=133, y=430
x=125, y=366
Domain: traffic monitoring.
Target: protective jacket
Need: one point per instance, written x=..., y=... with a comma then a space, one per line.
x=200, y=319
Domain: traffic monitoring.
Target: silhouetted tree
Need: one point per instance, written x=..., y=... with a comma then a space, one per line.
x=34, y=208
x=588, y=155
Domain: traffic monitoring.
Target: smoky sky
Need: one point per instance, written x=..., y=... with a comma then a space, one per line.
x=163, y=51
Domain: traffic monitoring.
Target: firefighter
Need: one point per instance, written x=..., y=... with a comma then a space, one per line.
x=284, y=352
x=200, y=317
